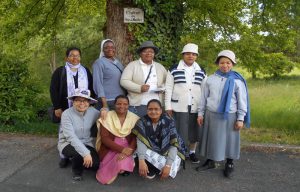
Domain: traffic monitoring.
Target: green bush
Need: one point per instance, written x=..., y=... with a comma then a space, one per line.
x=276, y=65
x=18, y=91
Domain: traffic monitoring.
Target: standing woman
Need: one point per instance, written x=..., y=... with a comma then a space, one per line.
x=223, y=109
x=183, y=89
x=64, y=81
x=107, y=71
x=115, y=142
x=144, y=79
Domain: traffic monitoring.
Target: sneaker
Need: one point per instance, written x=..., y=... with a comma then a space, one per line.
x=77, y=177
x=228, y=170
x=193, y=158
x=209, y=164
x=63, y=163
x=151, y=174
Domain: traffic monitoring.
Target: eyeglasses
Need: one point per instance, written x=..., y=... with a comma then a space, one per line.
x=74, y=56
x=81, y=100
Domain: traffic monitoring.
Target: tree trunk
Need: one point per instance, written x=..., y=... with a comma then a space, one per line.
x=53, y=55
x=117, y=30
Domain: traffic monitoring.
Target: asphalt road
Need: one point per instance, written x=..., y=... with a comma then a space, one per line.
x=30, y=164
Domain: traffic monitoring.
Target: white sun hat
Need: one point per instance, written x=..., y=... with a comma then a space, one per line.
x=84, y=94
x=190, y=48
x=226, y=53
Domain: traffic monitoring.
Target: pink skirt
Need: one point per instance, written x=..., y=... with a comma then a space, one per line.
x=110, y=167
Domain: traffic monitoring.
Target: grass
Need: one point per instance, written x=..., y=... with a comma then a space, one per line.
x=42, y=127
x=275, y=111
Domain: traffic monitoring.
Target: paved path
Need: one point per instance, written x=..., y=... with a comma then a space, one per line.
x=30, y=164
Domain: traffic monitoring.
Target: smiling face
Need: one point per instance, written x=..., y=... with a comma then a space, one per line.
x=109, y=49
x=74, y=57
x=121, y=106
x=225, y=64
x=189, y=58
x=154, y=111
x=147, y=55
x=81, y=104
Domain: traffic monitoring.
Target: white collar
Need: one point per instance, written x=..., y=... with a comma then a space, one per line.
x=182, y=65
x=140, y=60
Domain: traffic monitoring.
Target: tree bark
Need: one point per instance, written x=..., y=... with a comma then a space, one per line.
x=117, y=30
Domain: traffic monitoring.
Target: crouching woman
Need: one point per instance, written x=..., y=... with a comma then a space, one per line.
x=75, y=140
x=115, y=142
x=159, y=147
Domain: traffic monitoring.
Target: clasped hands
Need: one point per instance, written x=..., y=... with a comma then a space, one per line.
x=125, y=153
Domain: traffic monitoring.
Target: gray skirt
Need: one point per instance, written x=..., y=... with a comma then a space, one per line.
x=219, y=139
x=187, y=127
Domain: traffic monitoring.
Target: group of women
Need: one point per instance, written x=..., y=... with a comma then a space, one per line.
x=126, y=126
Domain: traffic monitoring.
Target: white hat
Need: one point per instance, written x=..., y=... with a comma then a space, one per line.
x=190, y=48
x=226, y=53
x=83, y=93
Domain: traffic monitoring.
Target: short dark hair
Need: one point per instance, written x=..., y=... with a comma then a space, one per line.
x=72, y=49
x=121, y=97
x=154, y=101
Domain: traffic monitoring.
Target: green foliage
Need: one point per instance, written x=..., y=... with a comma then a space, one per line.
x=40, y=31
x=163, y=25
x=18, y=92
x=276, y=64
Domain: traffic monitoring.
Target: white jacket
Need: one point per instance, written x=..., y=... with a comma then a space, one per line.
x=176, y=97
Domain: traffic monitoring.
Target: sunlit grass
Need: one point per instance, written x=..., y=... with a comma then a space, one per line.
x=43, y=127
x=275, y=110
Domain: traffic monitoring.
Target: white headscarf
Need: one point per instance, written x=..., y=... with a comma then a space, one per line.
x=101, y=48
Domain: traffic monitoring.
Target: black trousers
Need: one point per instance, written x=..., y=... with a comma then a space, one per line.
x=151, y=168
x=77, y=160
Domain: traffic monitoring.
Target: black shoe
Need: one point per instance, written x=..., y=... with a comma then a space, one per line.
x=63, y=163
x=228, y=170
x=209, y=164
x=125, y=173
x=193, y=158
x=151, y=174
x=77, y=177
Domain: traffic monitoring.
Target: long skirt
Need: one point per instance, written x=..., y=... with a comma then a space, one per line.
x=110, y=167
x=220, y=140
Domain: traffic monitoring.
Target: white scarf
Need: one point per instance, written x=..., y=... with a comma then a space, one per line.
x=82, y=79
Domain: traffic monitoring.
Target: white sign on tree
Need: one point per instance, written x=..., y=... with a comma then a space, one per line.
x=133, y=15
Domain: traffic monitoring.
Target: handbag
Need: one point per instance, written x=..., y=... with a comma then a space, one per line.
x=51, y=110
x=52, y=116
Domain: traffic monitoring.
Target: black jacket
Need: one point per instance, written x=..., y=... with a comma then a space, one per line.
x=59, y=100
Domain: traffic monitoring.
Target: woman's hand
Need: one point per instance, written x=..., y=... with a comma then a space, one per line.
x=127, y=151
x=200, y=120
x=165, y=172
x=170, y=113
x=121, y=156
x=87, y=161
x=239, y=125
x=143, y=168
x=145, y=88
x=58, y=112
x=103, y=113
